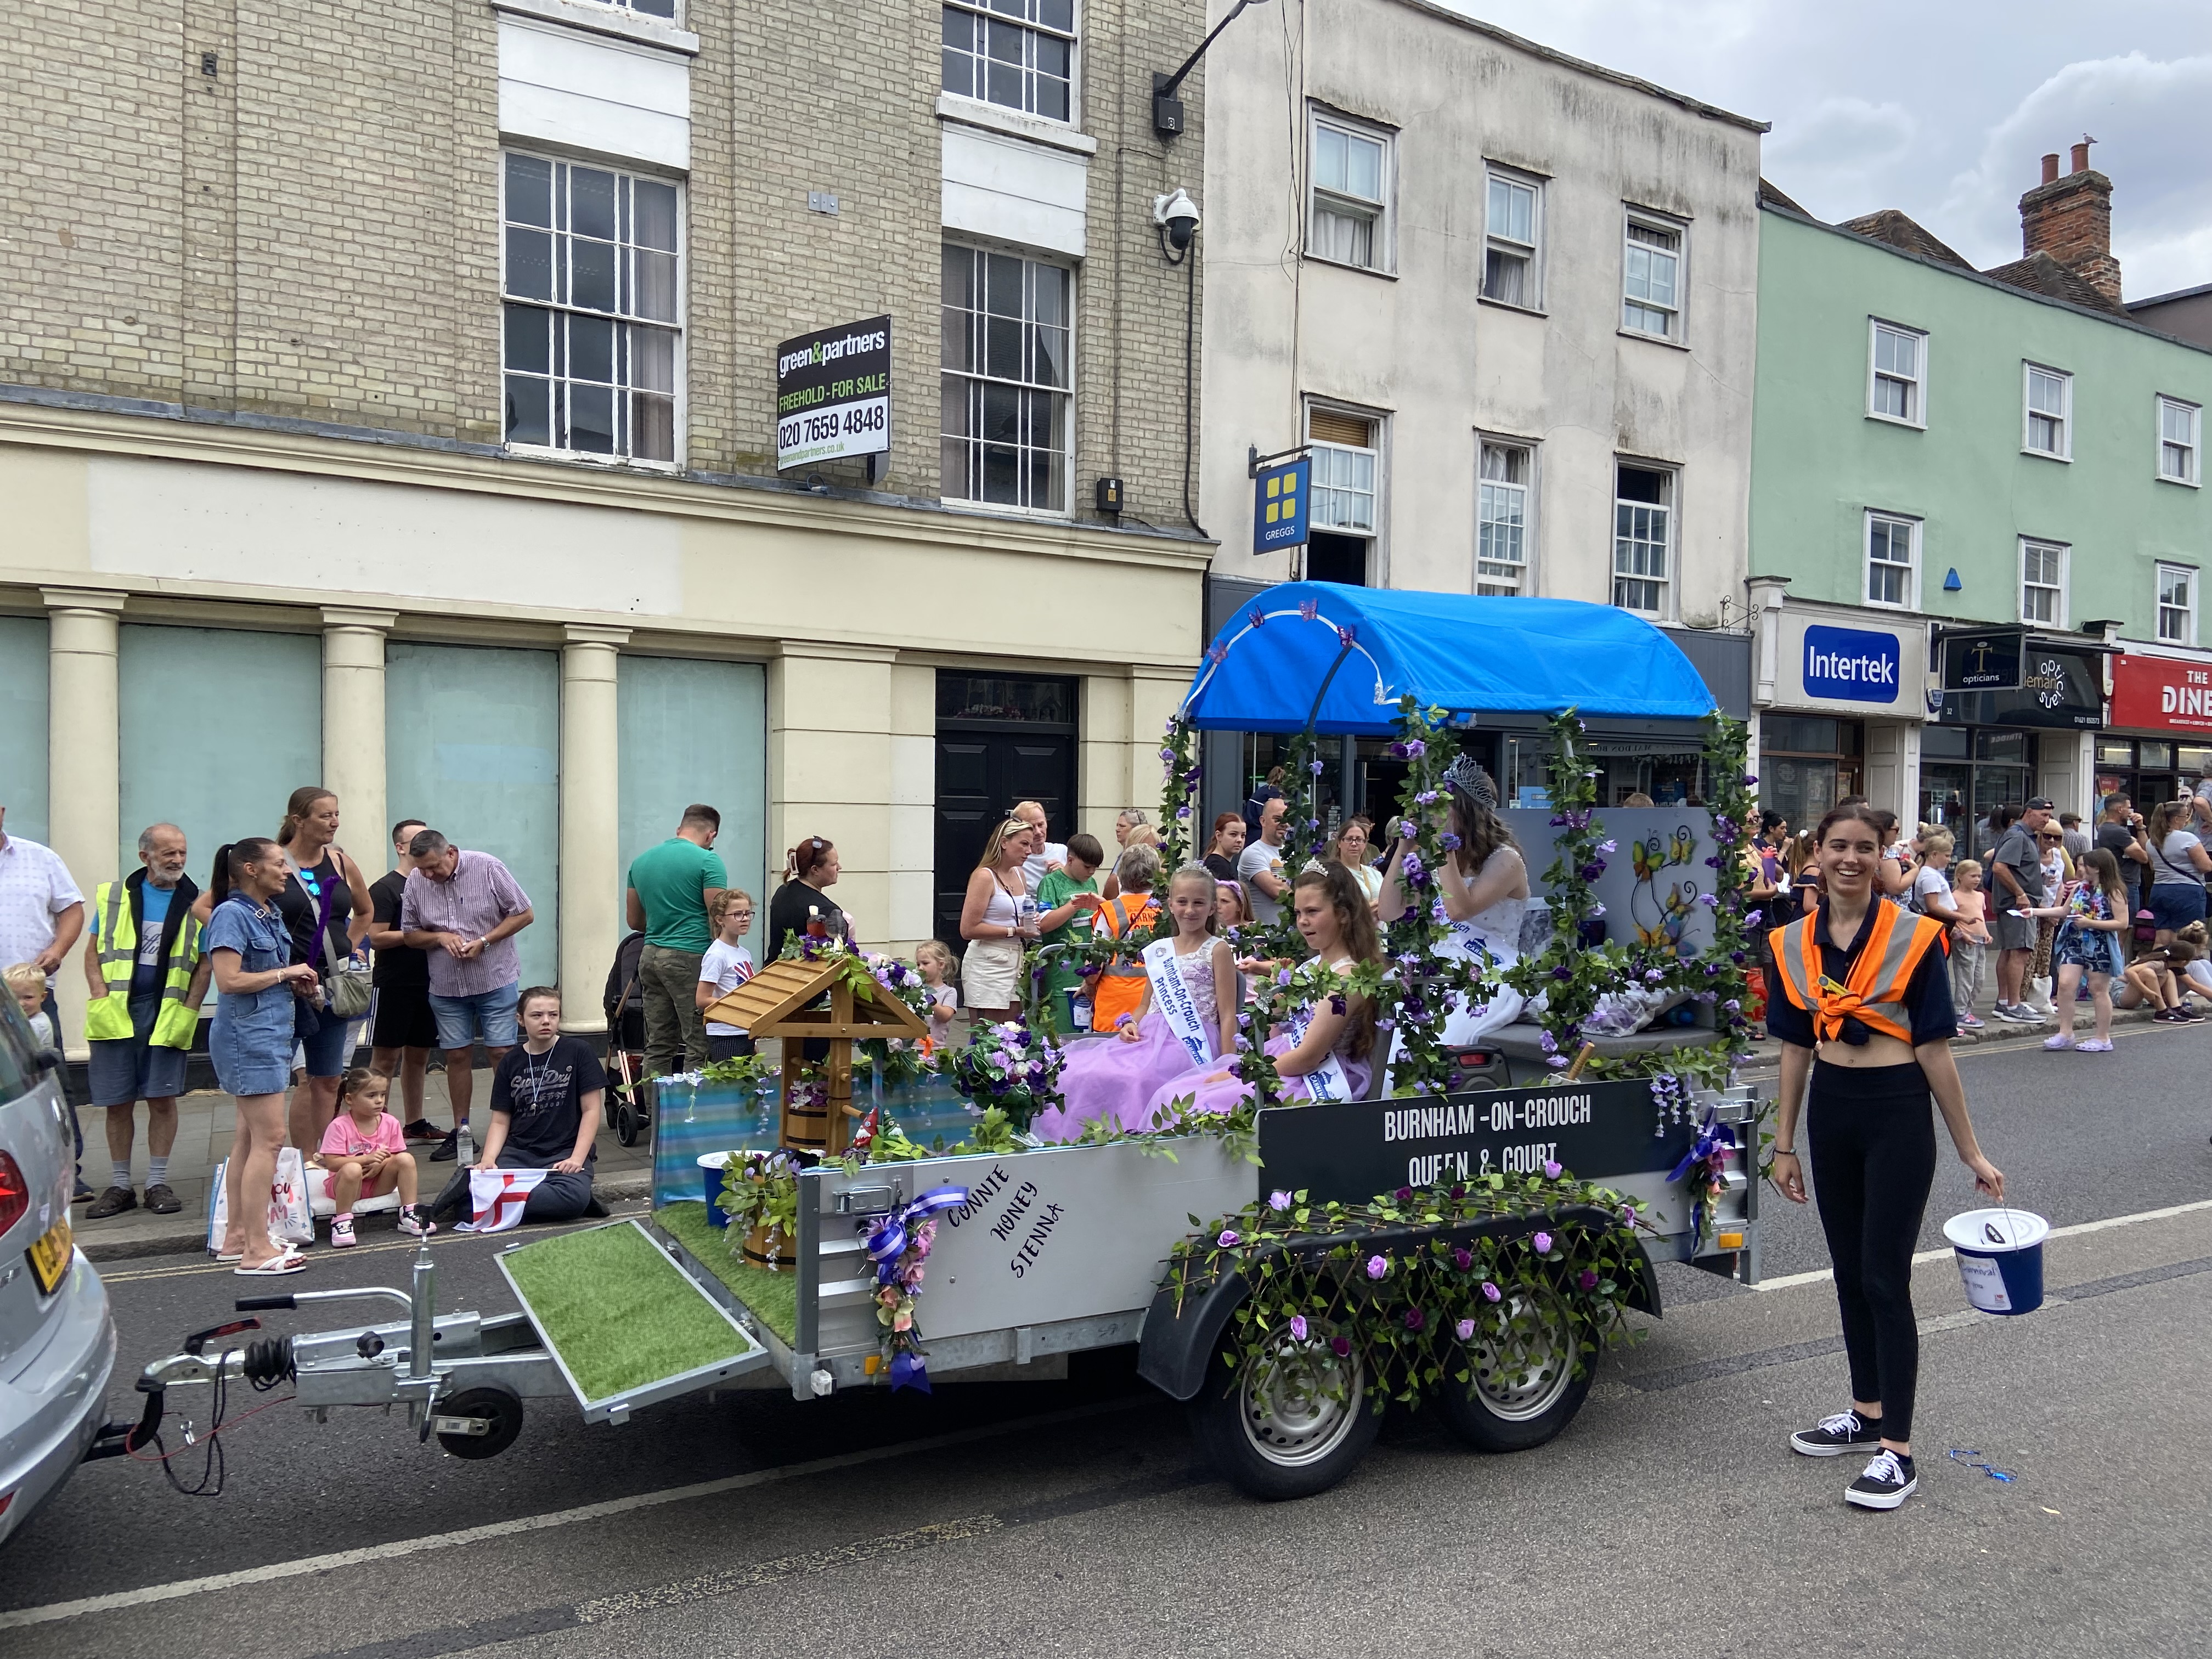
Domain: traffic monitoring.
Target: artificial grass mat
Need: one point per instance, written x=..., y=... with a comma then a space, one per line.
x=773, y=1298
x=616, y=1312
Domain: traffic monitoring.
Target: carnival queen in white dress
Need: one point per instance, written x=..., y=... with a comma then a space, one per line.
x=1483, y=885
x=1188, y=1017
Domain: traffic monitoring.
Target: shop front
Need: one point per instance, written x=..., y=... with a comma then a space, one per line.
x=2029, y=730
x=1838, y=691
x=2159, y=742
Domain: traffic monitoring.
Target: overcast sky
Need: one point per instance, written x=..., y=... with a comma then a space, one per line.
x=1940, y=107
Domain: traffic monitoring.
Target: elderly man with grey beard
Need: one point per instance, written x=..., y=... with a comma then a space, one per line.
x=145, y=974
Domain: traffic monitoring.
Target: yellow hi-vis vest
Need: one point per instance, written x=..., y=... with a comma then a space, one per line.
x=107, y=1018
x=1896, y=942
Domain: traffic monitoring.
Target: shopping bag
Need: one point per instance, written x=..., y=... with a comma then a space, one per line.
x=291, y=1214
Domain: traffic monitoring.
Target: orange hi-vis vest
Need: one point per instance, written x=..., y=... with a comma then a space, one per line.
x=1120, y=986
x=1896, y=942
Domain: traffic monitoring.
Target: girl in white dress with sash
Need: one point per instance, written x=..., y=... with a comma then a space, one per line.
x=1187, y=1017
x=1483, y=885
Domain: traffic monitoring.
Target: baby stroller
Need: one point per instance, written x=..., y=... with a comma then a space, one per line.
x=623, y=1001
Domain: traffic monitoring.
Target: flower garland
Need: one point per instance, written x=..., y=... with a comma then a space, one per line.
x=1415, y=1310
x=898, y=1243
x=1703, y=1172
x=1570, y=972
x=1010, y=1068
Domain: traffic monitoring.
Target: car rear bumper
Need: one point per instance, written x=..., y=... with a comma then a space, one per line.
x=52, y=1410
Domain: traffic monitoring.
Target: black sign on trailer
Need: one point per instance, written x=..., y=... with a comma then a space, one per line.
x=1350, y=1153
x=833, y=393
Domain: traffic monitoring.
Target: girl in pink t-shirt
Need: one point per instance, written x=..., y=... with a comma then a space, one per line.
x=365, y=1153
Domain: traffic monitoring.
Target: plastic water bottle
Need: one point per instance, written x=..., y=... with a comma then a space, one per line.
x=465, y=1148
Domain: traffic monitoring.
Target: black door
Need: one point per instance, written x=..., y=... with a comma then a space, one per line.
x=998, y=740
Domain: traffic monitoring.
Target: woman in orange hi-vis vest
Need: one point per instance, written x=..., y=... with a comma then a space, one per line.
x=1120, y=983
x=1862, y=1007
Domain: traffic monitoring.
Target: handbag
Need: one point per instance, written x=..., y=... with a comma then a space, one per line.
x=347, y=987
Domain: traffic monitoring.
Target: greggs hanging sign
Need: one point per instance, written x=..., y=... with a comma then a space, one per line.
x=2160, y=694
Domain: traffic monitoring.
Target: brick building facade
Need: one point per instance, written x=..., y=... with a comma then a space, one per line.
x=283, y=359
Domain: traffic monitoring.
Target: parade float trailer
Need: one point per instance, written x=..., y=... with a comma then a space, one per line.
x=1284, y=1275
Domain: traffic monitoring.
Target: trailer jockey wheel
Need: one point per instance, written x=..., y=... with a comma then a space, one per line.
x=1521, y=1387
x=499, y=1413
x=628, y=1123
x=1289, y=1426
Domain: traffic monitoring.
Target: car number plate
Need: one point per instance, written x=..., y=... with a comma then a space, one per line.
x=50, y=1256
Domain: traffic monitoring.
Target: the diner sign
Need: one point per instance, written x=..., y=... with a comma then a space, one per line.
x=833, y=393
x=2161, y=694
x=1352, y=1152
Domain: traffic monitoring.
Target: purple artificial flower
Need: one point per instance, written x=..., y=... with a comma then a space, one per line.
x=1753, y=919
x=1464, y=1330
x=1415, y=1319
x=1545, y=1042
x=1628, y=1213
x=1593, y=871
x=1551, y=1169
x=1336, y=1003
x=1463, y=1258
x=1282, y=977
x=1749, y=780
x=1587, y=1280
x=1397, y=751
x=1652, y=976
x=1459, y=1192
x=1405, y=1195
x=1449, y=842
x=1341, y=1347
x=1558, y=1062
x=1315, y=766
x=1710, y=901
x=1608, y=846
x=1733, y=1005
x=1376, y=1266
x=1563, y=972
x=1415, y=747
x=1278, y=1200
x=1491, y=1290
x=1596, y=910
x=1298, y=1326
x=1543, y=1243
x=1228, y=1239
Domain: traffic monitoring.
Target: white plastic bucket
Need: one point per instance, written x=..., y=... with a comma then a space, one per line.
x=2000, y=1254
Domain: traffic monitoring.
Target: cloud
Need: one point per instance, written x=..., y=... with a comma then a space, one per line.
x=1842, y=147
x=2146, y=114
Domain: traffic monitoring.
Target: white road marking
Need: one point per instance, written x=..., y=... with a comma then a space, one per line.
x=1789, y=1281
x=181, y=1589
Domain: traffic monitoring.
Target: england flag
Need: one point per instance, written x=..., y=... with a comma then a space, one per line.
x=497, y=1197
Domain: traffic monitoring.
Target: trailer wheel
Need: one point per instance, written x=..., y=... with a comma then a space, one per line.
x=628, y=1123
x=1514, y=1401
x=499, y=1408
x=1277, y=1429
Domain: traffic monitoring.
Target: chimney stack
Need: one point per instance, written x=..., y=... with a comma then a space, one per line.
x=2071, y=220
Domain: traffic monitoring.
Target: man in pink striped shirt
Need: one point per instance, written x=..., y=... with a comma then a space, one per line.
x=463, y=909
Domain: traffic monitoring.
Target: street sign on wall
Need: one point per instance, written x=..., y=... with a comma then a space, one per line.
x=833, y=393
x=1279, y=495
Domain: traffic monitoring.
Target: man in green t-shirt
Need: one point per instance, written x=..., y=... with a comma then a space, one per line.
x=1063, y=917
x=670, y=887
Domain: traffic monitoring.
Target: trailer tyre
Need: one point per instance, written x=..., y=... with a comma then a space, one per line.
x=502, y=1409
x=1512, y=1402
x=1274, y=1430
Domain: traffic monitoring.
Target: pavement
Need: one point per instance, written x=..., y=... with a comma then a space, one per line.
x=1073, y=1515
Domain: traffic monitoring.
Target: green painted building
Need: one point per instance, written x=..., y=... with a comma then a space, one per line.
x=1934, y=445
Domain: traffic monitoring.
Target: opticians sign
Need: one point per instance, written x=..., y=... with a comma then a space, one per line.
x=2160, y=694
x=833, y=394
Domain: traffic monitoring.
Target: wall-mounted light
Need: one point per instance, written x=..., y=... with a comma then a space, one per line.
x=1167, y=108
x=1176, y=216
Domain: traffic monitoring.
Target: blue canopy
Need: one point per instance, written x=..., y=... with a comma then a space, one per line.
x=1468, y=655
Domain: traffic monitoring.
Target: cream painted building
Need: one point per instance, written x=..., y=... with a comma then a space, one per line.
x=415, y=435
x=1506, y=296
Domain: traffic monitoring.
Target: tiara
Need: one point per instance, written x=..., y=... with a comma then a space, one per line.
x=1467, y=775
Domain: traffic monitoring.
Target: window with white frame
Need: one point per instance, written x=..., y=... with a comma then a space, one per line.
x=2177, y=604
x=593, y=328
x=1020, y=54
x=1512, y=222
x=662, y=9
x=1892, y=560
x=2050, y=412
x=1008, y=421
x=1897, y=391
x=1347, y=454
x=1651, y=278
x=1643, y=537
x=2180, y=428
x=1348, y=213
x=2043, y=582
x=1503, y=529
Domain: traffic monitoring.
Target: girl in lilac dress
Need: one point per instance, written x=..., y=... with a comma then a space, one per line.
x=1187, y=1016
x=1321, y=1053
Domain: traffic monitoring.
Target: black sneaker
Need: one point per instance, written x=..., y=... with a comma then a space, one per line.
x=1887, y=1482
x=1846, y=1431
x=114, y=1201
x=422, y=1129
x=447, y=1148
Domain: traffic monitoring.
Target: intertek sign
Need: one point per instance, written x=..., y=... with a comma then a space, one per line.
x=1851, y=665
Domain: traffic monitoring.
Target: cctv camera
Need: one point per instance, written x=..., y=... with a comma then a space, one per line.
x=1177, y=215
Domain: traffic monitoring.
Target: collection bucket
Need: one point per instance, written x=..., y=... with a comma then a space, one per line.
x=1999, y=1256
x=711, y=1165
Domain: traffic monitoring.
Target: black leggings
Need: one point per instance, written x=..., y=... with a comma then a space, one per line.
x=1872, y=1135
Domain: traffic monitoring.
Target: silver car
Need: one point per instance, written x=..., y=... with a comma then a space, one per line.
x=57, y=1335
